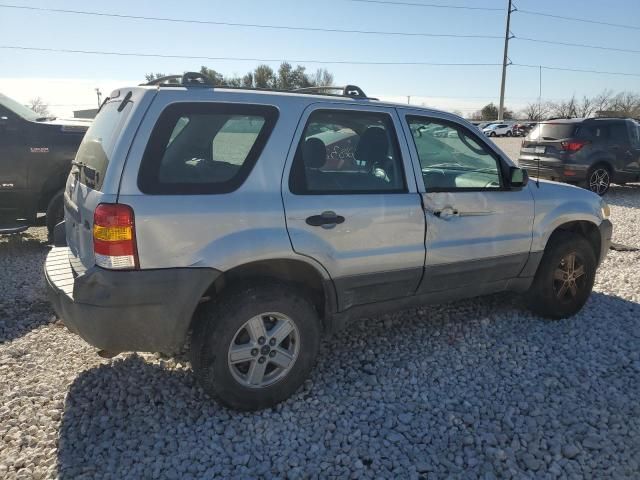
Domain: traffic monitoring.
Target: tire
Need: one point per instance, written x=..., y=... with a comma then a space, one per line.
x=230, y=322
x=55, y=212
x=492, y=134
x=599, y=179
x=508, y=134
x=545, y=295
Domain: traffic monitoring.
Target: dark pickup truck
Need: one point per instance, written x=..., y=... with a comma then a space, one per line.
x=35, y=158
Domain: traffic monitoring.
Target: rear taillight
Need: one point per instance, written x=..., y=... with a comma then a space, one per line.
x=573, y=145
x=114, y=237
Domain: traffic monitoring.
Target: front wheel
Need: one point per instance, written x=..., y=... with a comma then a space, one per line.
x=565, y=277
x=256, y=346
x=492, y=134
x=599, y=179
x=509, y=133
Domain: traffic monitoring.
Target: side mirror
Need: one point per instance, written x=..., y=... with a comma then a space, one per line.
x=518, y=177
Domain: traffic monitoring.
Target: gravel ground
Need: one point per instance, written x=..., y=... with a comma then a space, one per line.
x=478, y=388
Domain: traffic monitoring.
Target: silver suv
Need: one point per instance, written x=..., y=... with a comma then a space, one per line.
x=254, y=222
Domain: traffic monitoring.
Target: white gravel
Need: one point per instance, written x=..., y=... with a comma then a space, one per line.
x=477, y=388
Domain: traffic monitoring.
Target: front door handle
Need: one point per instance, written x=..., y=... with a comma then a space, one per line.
x=326, y=219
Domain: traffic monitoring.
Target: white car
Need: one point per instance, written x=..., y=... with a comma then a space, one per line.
x=497, y=130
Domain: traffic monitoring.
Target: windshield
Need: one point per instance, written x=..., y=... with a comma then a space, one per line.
x=17, y=108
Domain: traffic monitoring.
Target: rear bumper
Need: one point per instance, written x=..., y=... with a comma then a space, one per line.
x=569, y=173
x=139, y=310
x=606, y=232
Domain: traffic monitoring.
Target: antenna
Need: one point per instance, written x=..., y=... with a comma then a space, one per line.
x=538, y=158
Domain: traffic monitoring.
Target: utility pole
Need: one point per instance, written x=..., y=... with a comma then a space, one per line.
x=505, y=62
x=408, y=99
x=99, y=94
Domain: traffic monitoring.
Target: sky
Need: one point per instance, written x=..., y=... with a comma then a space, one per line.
x=67, y=81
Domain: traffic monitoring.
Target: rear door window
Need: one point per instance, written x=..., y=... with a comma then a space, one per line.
x=200, y=148
x=348, y=152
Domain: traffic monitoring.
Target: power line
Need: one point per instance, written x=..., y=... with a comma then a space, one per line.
x=430, y=5
x=205, y=57
x=311, y=29
x=314, y=61
x=247, y=25
x=576, y=19
x=581, y=45
x=579, y=70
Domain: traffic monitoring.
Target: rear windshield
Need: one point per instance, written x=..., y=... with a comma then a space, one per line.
x=204, y=148
x=553, y=131
x=97, y=145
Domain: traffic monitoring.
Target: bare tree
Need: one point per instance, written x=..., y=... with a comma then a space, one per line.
x=537, y=111
x=564, y=108
x=585, y=108
x=626, y=104
x=39, y=106
x=603, y=100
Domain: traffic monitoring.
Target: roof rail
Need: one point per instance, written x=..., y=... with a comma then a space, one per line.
x=189, y=79
x=195, y=79
x=346, y=91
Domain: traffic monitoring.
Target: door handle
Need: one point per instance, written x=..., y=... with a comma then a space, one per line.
x=446, y=213
x=325, y=219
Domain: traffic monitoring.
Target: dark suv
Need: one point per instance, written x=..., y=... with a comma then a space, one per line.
x=35, y=159
x=593, y=152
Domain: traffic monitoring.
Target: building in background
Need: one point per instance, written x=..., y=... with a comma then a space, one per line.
x=88, y=113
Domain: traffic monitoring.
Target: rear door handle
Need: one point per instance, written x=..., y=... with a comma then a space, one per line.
x=446, y=213
x=327, y=219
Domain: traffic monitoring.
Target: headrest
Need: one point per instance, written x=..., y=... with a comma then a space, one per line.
x=373, y=145
x=314, y=153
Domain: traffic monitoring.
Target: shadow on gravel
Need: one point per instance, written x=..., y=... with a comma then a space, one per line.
x=464, y=389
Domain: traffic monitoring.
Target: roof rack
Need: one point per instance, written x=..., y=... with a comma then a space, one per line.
x=195, y=79
x=346, y=91
x=189, y=79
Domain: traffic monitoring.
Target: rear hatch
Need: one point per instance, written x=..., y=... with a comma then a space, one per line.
x=92, y=179
x=545, y=141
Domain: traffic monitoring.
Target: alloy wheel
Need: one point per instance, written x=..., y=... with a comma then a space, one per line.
x=569, y=277
x=599, y=181
x=263, y=350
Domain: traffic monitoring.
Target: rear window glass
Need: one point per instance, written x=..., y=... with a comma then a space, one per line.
x=553, y=131
x=204, y=148
x=97, y=145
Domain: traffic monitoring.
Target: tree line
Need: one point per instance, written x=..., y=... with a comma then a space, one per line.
x=624, y=104
x=606, y=103
x=286, y=77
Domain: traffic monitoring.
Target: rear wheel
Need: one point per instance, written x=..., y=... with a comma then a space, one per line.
x=599, y=179
x=255, y=347
x=55, y=212
x=565, y=277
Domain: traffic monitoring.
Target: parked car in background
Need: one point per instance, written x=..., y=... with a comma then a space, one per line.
x=35, y=159
x=498, y=130
x=254, y=222
x=521, y=129
x=592, y=153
